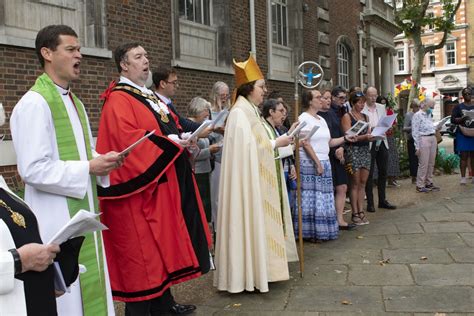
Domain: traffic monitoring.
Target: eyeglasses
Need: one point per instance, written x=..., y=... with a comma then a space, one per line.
x=359, y=94
x=175, y=82
x=224, y=96
x=341, y=97
x=262, y=86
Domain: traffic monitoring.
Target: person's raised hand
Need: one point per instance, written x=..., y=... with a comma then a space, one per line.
x=37, y=257
x=293, y=126
x=205, y=133
x=283, y=140
x=214, y=148
x=104, y=164
x=350, y=138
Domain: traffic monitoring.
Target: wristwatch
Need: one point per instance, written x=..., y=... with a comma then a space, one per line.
x=16, y=260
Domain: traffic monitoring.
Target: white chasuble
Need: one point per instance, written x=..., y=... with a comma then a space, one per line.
x=251, y=245
x=49, y=181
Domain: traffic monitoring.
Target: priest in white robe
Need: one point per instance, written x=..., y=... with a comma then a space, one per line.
x=255, y=238
x=56, y=160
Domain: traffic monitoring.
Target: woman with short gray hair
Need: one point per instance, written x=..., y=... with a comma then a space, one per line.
x=198, y=111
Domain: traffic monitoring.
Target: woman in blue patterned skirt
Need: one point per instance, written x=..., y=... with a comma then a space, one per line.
x=317, y=191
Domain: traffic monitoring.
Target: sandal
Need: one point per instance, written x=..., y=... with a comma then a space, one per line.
x=359, y=219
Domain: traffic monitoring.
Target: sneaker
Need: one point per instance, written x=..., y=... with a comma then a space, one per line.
x=463, y=181
x=393, y=183
x=422, y=190
x=432, y=187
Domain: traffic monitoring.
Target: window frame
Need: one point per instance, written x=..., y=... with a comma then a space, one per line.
x=403, y=59
x=280, y=27
x=343, y=65
x=197, y=10
x=450, y=51
x=431, y=63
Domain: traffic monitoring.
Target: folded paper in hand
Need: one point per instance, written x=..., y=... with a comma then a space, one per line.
x=219, y=120
x=129, y=148
x=385, y=123
x=81, y=223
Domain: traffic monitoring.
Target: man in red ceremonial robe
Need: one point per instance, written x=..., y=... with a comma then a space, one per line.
x=158, y=234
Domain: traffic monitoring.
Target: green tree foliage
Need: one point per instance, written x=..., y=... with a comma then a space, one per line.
x=411, y=17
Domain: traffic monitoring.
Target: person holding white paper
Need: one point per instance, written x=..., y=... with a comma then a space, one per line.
x=220, y=102
x=26, y=274
x=255, y=237
x=426, y=146
x=359, y=164
x=336, y=154
x=198, y=111
x=379, y=153
x=317, y=191
x=158, y=234
x=59, y=165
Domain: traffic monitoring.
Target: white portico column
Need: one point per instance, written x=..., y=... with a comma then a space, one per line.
x=371, y=65
x=387, y=73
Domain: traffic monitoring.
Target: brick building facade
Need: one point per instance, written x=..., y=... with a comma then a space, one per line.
x=199, y=41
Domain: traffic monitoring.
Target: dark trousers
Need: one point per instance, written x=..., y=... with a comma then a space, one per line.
x=379, y=155
x=412, y=157
x=154, y=307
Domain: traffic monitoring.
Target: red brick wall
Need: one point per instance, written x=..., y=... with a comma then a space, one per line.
x=149, y=23
x=344, y=20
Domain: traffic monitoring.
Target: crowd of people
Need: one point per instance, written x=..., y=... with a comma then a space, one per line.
x=177, y=205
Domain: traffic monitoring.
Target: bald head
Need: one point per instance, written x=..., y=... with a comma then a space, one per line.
x=371, y=96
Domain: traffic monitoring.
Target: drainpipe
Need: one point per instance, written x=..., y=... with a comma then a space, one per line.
x=360, y=33
x=253, y=46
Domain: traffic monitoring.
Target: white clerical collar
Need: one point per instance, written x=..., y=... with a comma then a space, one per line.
x=163, y=98
x=61, y=90
x=133, y=84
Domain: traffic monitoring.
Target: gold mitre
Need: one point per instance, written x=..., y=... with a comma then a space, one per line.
x=246, y=71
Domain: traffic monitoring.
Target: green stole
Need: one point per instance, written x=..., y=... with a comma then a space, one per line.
x=93, y=289
x=273, y=136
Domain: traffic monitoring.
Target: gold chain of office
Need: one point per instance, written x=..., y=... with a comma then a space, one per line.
x=163, y=116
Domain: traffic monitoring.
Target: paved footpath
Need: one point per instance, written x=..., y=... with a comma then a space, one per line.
x=410, y=261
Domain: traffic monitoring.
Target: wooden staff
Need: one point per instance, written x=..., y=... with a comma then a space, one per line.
x=298, y=185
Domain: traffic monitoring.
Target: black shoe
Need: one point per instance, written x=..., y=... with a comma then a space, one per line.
x=370, y=208
x=348, y=227
x=387, y=205
x=178, y=309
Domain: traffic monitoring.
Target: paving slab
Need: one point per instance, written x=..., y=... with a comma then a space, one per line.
x=428, y=299
x=247, y=312
x=410, y=228
x=443, y=274
x=456, y=207
x=436, y=240
x=464, y=199
x=447, y=216
x=450, y=314
x=377, y=274
x=448, y=227
x=462, y=254
x=321, y=275
x=468, y=238
x=401, y=218
x=360, y=241
x=374, y=230
x=344, y=256
x=332, y=299
x=421, y=255
x=275, y=299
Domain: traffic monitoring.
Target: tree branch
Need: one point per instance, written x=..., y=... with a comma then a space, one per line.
x=446, y=31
